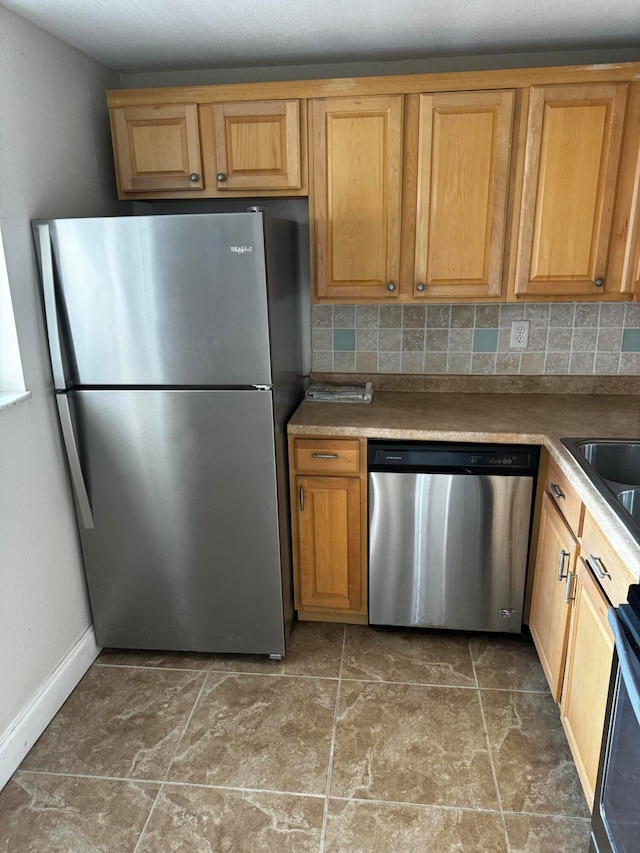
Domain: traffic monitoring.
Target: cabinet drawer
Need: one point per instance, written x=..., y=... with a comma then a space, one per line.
x=596, y=551
x=565, y=498
x=326, y=456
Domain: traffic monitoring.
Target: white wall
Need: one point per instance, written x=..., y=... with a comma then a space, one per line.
x=55, y=161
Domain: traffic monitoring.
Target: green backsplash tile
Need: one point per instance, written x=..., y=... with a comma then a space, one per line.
x=485, y=340
x=631, y=340
x=344, y=340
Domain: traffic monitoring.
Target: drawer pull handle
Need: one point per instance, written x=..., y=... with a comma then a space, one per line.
x=556, y=491
x=324, y=456
x=301, y=496
x=563, y=556
x=567, y=589
x=597, y=567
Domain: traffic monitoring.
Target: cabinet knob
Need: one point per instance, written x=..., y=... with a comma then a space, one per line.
x=221, y=177
x=391, y=286
x=420, y=287
x=599, y=282
x=193, y=177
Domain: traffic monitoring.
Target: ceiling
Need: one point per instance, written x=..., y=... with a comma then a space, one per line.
x=162, y=35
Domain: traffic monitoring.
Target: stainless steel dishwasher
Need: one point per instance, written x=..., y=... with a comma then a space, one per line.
x=448, y=534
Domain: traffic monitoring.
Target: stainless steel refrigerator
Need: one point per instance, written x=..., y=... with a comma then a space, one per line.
x=175, y=350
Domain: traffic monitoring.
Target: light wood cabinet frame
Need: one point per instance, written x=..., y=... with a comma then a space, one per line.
x=586, y=680
x=554, y=571
x=624, y=263
x=616, y=236
x=351, y=87
x=257, y=145
x=356, y=188
x=328, y=482
x=464, y=150
x=157, y=148
x=575, y=133
x=329, y=537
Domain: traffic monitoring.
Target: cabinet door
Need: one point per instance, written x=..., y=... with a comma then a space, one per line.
x=328, y=522
x=574, y=137
x=554, y=570
x=357, y=159
x=463, y=171
x=257, y=145
x=157, y=147
x=586, y=683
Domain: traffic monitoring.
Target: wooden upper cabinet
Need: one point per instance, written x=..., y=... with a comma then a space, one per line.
x=573, y=148
x=356, y=192
x=463, y=173
x=257, y=145
x=157, y=148
x=625, y=245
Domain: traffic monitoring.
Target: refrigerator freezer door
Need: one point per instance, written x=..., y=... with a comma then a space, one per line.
x=184, y=553
x=163, y=300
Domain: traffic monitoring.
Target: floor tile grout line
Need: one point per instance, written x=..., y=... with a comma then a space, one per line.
x=325, y=813
x=150, y=667
x=170, y=763
x=490, y=752
x=440, y=806
x=176, y=783
x=306, y=795
x=247, y=790
x=470, y=809
x=219, y=671
x=328, y=678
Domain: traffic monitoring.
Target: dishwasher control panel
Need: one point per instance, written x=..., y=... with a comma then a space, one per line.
x=515, y=459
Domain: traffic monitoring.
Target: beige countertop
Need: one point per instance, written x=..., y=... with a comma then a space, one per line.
x=493, y=417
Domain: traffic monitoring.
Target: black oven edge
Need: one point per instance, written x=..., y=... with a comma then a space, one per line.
x=600, y=842
x=623, y=699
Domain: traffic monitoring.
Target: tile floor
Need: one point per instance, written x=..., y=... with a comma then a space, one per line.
x=360, y=740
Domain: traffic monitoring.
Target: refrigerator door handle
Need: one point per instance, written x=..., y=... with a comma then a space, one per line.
x=50, y=306
x=77, y=477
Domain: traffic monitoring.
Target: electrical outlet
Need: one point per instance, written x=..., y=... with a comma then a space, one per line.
x=519, y=334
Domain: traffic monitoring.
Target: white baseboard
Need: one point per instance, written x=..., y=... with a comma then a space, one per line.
x=27, y=727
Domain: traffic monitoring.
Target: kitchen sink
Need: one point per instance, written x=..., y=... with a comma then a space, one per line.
x=613, y=466
x=630, y=500
x=618, y=461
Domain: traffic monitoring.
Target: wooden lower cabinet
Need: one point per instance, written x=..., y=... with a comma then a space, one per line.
x=550, y=609
x=328, y=503
x=329, y=543
x=573, y=587
x=586, y=681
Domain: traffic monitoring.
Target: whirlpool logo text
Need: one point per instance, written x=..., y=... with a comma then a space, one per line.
x=241, y=250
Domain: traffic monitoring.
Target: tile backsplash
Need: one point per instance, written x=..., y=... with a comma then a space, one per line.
x=577, y=338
